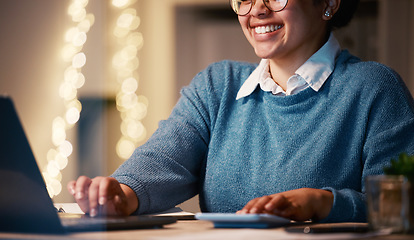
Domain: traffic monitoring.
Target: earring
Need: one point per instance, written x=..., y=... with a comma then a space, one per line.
x=327, y=13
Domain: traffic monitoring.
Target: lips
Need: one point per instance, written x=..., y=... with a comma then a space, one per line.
x=267, y=29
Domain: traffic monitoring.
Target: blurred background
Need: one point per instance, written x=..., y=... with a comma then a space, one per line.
x=92, y=79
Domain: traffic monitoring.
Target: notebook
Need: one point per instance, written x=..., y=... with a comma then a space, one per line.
x=25, y=205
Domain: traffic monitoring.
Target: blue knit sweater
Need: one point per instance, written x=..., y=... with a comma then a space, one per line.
x=231, y=151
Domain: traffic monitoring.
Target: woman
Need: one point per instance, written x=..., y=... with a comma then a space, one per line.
x=293, y=136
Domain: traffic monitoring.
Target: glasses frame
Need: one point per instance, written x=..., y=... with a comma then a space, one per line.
x=253, y=3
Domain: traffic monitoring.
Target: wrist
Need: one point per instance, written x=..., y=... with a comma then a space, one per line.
x=324, y=202
x=131, y=198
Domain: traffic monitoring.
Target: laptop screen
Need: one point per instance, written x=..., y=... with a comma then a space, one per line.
x=25, y=205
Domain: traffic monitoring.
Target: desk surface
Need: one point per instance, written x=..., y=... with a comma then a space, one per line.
x=194, y=230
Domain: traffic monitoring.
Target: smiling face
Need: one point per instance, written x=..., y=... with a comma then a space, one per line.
x=292, y=34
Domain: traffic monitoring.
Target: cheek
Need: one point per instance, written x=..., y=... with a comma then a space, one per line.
x=249, y=37
x=244, y=23
x=245, y=28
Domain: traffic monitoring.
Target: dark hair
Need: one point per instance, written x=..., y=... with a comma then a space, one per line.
x=344, y=14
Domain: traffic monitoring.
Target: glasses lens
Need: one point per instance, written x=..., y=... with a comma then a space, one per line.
x=241, y=7
x=275, y=5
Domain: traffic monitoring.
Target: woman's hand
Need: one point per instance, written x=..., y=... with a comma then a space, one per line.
x=299, y=204
x=103, y=196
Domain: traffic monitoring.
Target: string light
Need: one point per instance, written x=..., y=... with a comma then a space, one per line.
x=75, y=38
x=132, y=108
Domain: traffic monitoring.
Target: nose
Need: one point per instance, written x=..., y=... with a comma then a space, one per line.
x=258, y=8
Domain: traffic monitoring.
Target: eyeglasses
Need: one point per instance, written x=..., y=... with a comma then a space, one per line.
x=243, y=7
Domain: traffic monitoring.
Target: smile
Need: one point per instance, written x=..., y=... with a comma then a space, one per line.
x=267, y=29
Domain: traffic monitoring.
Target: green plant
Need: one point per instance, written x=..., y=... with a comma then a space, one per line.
x=404, y=165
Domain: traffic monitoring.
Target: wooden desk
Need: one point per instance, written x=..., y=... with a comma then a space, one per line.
x=188, y=230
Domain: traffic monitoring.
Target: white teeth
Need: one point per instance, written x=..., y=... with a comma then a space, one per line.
x=267, y=29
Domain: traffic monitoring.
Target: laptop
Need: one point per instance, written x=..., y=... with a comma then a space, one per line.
x=25, y=205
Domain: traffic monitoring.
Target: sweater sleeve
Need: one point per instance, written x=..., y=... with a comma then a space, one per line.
x=389, y=132
x=390, y=128
x=165, y=170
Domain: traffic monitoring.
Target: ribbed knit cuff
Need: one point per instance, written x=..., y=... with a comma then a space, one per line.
x=143, y=198
x=343, y=208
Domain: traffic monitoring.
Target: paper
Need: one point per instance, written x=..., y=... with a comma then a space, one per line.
x=69, y=208
x=177, y=212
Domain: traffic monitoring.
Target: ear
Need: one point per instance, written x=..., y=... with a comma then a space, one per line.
x=331, y=7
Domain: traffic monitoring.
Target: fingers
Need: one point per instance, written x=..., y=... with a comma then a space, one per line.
x=98, y=196
x=93, y=196
x=80, y=191
x=256, y=205
x=108, y=189
x=111, y=197
x=248, y=206
x=298, y=204
x=259, y=205
x=277, y=204
x=71, y=187
x=104, y=195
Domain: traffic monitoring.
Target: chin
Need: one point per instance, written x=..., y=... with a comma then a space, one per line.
x=265, y=53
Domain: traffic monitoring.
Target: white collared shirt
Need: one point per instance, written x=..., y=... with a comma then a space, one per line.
x=313, y=73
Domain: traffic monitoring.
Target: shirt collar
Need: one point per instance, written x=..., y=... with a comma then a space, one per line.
x=315, y=71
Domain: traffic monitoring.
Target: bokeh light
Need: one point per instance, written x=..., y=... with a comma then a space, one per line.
x=133, y=108
x=73, y=79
